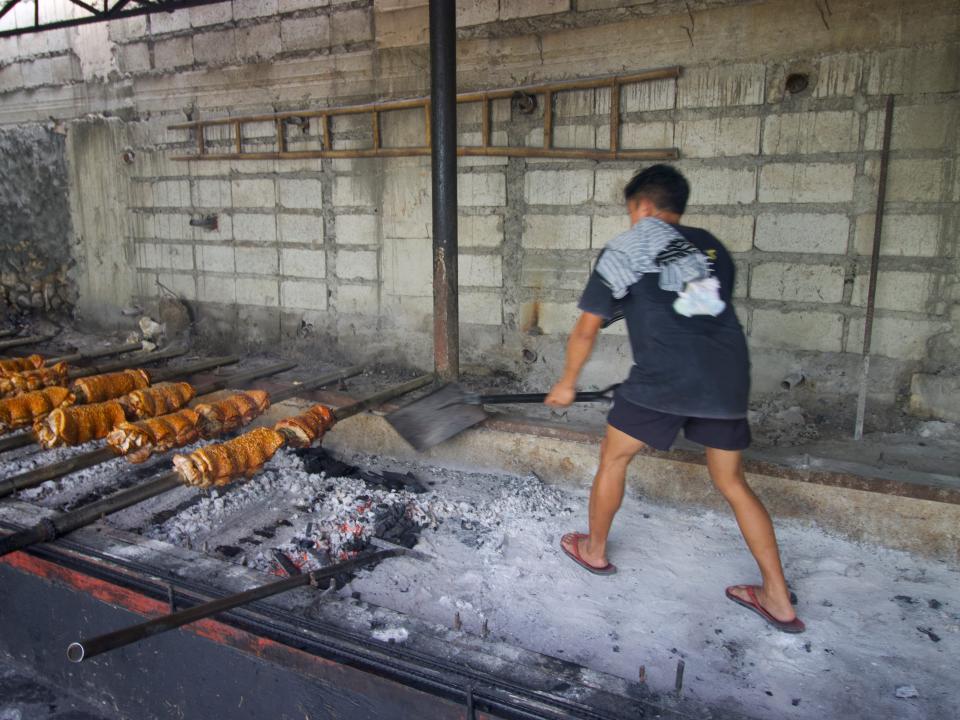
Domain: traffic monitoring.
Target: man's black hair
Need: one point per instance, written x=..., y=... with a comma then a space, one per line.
x=663, y=185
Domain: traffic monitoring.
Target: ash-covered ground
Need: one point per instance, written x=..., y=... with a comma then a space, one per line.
x=882, y=624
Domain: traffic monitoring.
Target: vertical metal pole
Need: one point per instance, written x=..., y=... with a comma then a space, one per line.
x=443, y=153
x=874, y=262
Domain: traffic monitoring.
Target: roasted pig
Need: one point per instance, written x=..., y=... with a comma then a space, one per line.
x=221, y=463
x=303, y=430
x=79, y=424
x=109, y=386
x=30, y=380
x=18, y=365
x=139, y=440
x=227, y=415
x=157, y=400
x=24, y=410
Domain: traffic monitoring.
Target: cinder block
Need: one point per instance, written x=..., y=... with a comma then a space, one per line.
x=215, y=48
x=915, y=127
x=718, y=137
x=306, y=229
x=807, y=182
x=797, y=283
x=402, y=27
x=817, y=132
x=568, y=136
x=721, y=85
x=214, y=194
x=304, y=294
x=171, y=193
x=403, y=128
x=605, y=228
x=215, y=14
x=803, y=233
x=350, y=27
x=476, y=12
x=896, y=338
x=839, y=75
x=481, y=308
x=639, y=135
x=358, y=299
x=295, y=262
x=608, y=189
x=641, y=97
x=896, y=290
x=481, y=189
x=721, y=186
x=816, y=331
x=300, y=193
x=357, y=264
x=480, y=270
x=50, y=71
x=260, y=41
x=216, y=288
x=915, y=70
x=130, y=28
x=901, y=235
x=557, y=318
x=407, y=266
x=354, y=191
x=935, y=396
x=132, y=58
x=479, y=231
x=288, y=6
x=253, y=192
x=253, y=8
x=556, y=232
x=309, y=33
x=168, y=22
x=255, y=228
x=357, y=230
x=915, y=180
x=554, y=271
x=11, y=77
x=511, y=9
x=734, y=231
x=215, y=258
x=257, y=261
x=174, y=52
x=558, y=187
x=258, y=291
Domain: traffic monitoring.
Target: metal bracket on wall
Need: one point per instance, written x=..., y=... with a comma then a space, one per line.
x=319, y=124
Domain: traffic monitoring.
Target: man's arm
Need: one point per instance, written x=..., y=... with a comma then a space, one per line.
x=579, y=346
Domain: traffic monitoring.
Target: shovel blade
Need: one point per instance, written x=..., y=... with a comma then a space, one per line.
x=436, y=417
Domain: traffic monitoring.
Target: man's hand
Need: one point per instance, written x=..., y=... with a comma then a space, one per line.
x=561, y=395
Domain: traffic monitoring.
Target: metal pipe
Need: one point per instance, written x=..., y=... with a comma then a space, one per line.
x=381, y=397
x=794, y=379
x=85, y=649
x=874, y=263
x=139, y=360
x=20, y=341
x=443, y=156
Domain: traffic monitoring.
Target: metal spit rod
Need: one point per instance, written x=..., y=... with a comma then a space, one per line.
x=92, y=354
x=20, y=341
x=84, y=649
x=34, y=477
x=52, y=528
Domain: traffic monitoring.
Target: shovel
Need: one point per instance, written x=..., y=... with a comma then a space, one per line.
x=451, y=410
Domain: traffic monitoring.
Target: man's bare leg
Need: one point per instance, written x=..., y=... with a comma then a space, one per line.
x=616, y=452
x=726, y=471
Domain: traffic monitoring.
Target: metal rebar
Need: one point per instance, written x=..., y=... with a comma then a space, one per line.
x=443, y=156
x=85, y=649
x=139, y=360
x=315, y=383
x=92, y=354
x=874, y=262
x=381, y=397
x=20, y=341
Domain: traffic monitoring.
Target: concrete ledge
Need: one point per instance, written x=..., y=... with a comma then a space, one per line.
x=904, y=516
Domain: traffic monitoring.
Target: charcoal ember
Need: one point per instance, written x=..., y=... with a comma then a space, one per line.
x=318, y=461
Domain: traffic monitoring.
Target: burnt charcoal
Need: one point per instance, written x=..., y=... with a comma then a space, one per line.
x=934, y=604
x=265, y=533
x=285, y=563
x=285, y=523
x=929, y=633
x=247, y=540
x=318, y=460
x=229, y=551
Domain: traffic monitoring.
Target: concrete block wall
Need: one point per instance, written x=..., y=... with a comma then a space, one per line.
x=337, y=252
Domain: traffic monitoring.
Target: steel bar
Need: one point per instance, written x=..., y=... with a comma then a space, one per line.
x=139, y=360
x=85, y=649
x=21, y=341
x=59, y=525
x=39, y=475
x=82, y=355
x=8, y=333
x=874, y=263
x=443, y=156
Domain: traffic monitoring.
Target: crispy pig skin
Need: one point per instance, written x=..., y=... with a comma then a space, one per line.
x=24, y=410
x=305, y=429
x=139, y=440
x=98, y=388
x=10, y=366
x=157, y=400
x=227, y=415
x=79, y=424
x=219, y=464
x=31, y=380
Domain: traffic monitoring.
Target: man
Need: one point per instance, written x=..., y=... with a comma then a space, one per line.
x=673, y=285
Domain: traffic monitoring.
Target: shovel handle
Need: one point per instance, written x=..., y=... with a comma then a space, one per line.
x=590, y=396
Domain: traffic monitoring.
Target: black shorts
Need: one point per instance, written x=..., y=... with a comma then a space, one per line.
x=659, y=430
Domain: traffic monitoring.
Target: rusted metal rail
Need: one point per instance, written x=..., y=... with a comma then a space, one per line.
x=319, y=122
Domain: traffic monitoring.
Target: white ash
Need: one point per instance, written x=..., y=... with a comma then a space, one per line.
x=391, y=635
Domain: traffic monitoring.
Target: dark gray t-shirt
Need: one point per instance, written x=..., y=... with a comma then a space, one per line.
x=692, y=366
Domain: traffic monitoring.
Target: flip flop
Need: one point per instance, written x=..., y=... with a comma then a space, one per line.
x=608, y=569
x=793, y=626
